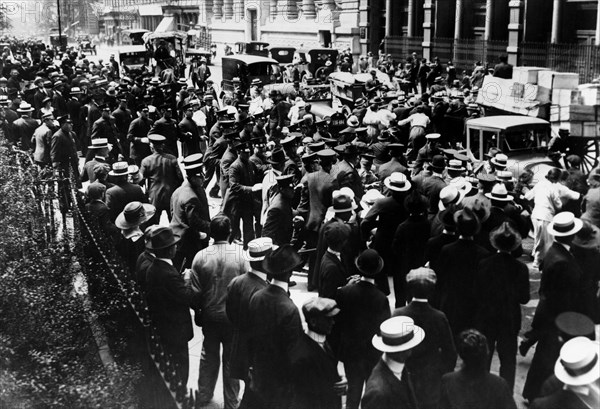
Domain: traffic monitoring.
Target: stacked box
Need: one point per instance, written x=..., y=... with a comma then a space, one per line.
x=558, y=80
x=590, y=129
x=562, y=97
x=590, y=94
x=537, y=93
x=527, y=75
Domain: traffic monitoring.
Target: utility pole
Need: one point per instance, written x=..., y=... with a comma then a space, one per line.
x=59, y=26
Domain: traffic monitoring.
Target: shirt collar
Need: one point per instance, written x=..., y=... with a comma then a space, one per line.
x=281, y=284
x=449, y=233
x=566, y=246
x=102, y=158
x=394, y=366
x=368, y=280
x=133, y=234
x=420, y=299
x=166, y=260
x=318, y=338
x=335, y=253
x=259, y=274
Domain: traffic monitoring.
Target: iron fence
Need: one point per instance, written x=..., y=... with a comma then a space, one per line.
x=402, y=47
x=443, y=48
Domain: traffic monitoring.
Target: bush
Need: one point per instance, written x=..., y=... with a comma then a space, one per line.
x=48, y=354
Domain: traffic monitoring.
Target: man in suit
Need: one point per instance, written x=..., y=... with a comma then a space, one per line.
x=278, y=224
x=105, y=128
x=63, y=152
x=363, y=308
x=391, y=383
x=98, y=211
x=397, y=163
x=213, y=155
x=229, y=156
x=41, y=140
x=239, y=200
x=188, y=130
x=347, y=175
x=433, y=185
x=167, y=127
x=276, y=326
x=189, y=208
x=560, y=291
x=503, y=69
x=123, y=192
x=501, y=287
x=317, y=384
x=213, y=269
x=163, y=175
x=458, y=266
x=73, y=107
x=100, y=148
x=239, y=292
x=436, y=355
x=137, y=135
x=24, y=127
x=123, y=119
x=386, y=215
x=435, y=244
x=170, y=297
x=332, y=271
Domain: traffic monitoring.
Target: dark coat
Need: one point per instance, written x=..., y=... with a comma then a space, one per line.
x=432, y=187
x=63, y=151
x=433, y=357
x=385, y=391
x=129, y=251
x=118, y=196
x=191, y=142
x=278, y=224
x=347, y=176
x=87, y=173
x=23, y=129
x=228, y=157
x=239, y=292
x=333, y=276
x=314, y=372
x=393, y=165
x=122, y=120
x=501, y=285
x=100, y=218
x=242, y=176
x=562, y=399
x=363, y=307
x=459, y=262
x=142, y=265
x=163, y=174
x=138, y=129
x=93, y=114
x=276, y=326
x=169, y=301
x=319, y=187
x=169, y=129
x=461, y=390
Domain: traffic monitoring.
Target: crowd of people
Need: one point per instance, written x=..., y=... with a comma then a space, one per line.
x=377, y=204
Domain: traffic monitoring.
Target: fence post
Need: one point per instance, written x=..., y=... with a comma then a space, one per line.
x=514, y=31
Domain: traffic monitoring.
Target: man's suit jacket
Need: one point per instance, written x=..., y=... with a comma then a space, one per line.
x=74, y=110
x=118, y=196
x=139, y=128
x=169, y=129
x=363, y=307
x=242, y=176
x=122, y=120
x=229, y=156
x=169, y=301
x=190, y=143
x=142, y=265
x=88, y=169
x=347, y=176
x=239, y=292
x=384, y=391
x=93, y=114
x=560, y=287
x=314, y=372
x=501, y=286
x=459, y=262
x=562, y=399
x=164, y=176
x=275, y=326
x=393, y=165
x=463, y=390
x=278, y=224
x=333, y=275
x=433, y=357
x=23, y=129
x=100, y=215
x=431, y=189
x=320, y=186
x=63, y=151
x=190, y=216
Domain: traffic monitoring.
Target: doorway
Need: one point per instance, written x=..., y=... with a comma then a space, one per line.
x=253, y=22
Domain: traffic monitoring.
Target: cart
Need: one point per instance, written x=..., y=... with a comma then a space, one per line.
x=175, y=43
x=346, y=88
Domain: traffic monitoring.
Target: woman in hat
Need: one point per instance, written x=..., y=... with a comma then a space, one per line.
x=472, y=386
x=130, y=244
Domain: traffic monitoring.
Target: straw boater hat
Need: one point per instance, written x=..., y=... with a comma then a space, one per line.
x=398, y=334
x=397, y=182
x=450, y=195
x=500, y=160
x=259, y=248
x=578, y=362
x=24, y=108
x=499, y=193
x=134, y=214
x=343, y=200
x=119, y=169
x=564, y=224
x=99, y=143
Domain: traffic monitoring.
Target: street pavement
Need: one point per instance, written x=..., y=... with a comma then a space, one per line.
x=300, y=294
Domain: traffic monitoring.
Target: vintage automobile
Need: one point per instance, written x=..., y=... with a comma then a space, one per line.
x=174, y=43
x=312, y=62
x=58, y=43
x=133, y=36
x=283, y=55
x=198, y=44
x=245, y=68
x=134, y=59
x=346, y=88
x=252, y=48
x=85, y=44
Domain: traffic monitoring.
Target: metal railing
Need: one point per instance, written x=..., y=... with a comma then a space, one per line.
x=404, y=46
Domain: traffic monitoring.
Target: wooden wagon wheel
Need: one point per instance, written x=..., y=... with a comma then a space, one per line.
x=588, y=149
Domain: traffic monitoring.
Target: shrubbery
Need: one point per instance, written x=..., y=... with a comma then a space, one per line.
x=48, y=355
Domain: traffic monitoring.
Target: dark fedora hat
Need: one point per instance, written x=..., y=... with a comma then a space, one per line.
x=505, y=238
x=438, y=163
x=467, y=223
x=369, y=263
x=282, y=261
x=162, y=238
x=277, y=157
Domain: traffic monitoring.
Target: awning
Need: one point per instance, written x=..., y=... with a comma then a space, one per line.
x=167, y=24
x=150, y=10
